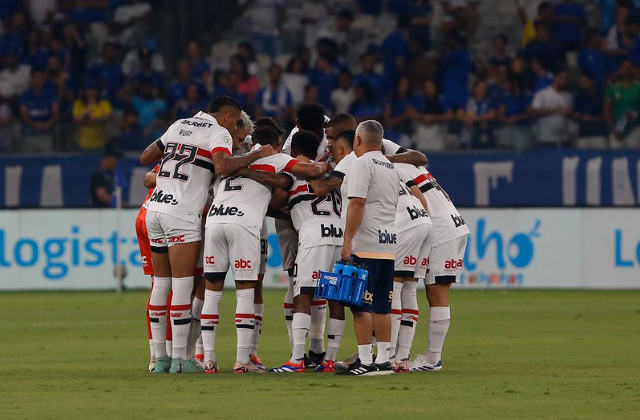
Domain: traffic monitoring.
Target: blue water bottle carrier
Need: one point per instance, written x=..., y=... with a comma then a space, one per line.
x=346, y=283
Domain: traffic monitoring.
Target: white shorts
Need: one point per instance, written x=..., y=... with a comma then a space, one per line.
x=309, y=262
x=230, y=245
x=287, y=242
x=165, y=230
x=264, y=247
x=412, y=252
x=445, y=262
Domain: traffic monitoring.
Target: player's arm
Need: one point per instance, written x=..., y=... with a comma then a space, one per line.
x=416, y=191
x=355, y=213
x=279, y=198
x=266, y=178
x=149, y=179
x=277, y=214
x=153, y=153
x=412, y=157
x=227, y=165
x=309, y=170
x=323, y=186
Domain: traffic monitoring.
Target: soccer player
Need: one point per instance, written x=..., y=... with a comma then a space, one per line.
x=414, y=231
x=320, y=230
x=445, y=263
x=191, y=149
x=233, y=239
x=370, y=239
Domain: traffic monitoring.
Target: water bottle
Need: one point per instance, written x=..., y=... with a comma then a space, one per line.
x=338, y=267
x=360, y=286
x=346, y=284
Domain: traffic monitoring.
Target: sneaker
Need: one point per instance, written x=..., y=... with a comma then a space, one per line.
x=186, y=366
x=401, y=367
x=385, y=368
x=162, y=364
x=327, y=366
x=255, y=365
x=316, y=358
x=290, y=367
x=420, y=364
x=358, y=369
x=211, y=367
x=152, y=365
x=240, y=368
x=199, y=357
x=344, y=365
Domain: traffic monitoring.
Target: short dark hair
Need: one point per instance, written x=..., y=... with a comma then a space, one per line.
x=305, y=143
x=222, y=101
x=310, y=116
x=266, y=135
x=346, y=137
x=342, y=119
x=269, y=122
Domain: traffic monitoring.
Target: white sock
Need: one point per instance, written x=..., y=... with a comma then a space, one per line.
x=169, y=348
x=158, y=314
x=209, y=323
x=334, y=337
x=258, y=309
x=318, y=321
x=199, y=346
x=300, y=329
x=194, y=328
x=152, y=350
x=288, y=312
x=439, y=320
x=409, y=320
x=245, y=323
x=396, y=315
x=181, y=314
x=383, y=352
x=365, y=353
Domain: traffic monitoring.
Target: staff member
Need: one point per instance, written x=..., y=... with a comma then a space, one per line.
x=370, y=239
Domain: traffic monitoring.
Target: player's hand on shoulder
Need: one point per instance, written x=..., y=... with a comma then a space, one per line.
x=303, y=159
x=266, y=151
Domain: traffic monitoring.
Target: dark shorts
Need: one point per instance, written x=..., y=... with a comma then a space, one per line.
x=379, y=293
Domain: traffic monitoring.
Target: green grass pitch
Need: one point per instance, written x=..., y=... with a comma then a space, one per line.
x=509, y=354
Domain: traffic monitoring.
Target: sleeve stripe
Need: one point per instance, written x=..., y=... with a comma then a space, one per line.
x=265, y=168
x=204, y=153
x=220, y=149
x=289, y=165
x=410, y=183
x=338, y=174
x=160, y=145
x=301, y=188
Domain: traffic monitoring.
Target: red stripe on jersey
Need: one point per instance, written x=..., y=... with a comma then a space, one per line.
x=318, y=302
x=157, y=308
x=410, y=311
x=288, y=306
x=258, y=318
x=155, y=169
x=180, y=307
x=422, y=178
x=220, y=149
x=265, y=168
x=290, y=164
x=396, y=312
x=204, y=153
x=206, y=316
x=251, y=316
x=300, y=189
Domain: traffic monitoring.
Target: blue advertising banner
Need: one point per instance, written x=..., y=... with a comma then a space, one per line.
x=494, y=179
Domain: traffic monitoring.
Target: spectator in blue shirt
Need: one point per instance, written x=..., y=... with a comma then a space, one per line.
x=370, y=7
x=421, y=13
x=109, y=74
x=591, y=59
x=8, y=8
x=90, y=15
x=147, y=71
x=191, y=104
x=35, y=53
x=178, y=88
x=395, y=50
x=14, y=37
x=148, y=104
x=500, y=56
x=39, y=112
x=544, y=49
x=131, y=136
x=431, y=117
x=325, y=77
x=513, y=113
x=274, y=100
x=200, y=68
x=478, y=118
x=456, y=67
x=542, y=77
x=570, y=21
x=368, y=74
x=365, y=106
x=234, y=79
x=397, y=113
x=588, y=111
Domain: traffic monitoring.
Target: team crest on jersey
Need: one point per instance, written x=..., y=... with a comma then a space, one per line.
x=227, y=139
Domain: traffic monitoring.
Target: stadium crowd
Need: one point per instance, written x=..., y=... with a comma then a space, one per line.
x=75, y=73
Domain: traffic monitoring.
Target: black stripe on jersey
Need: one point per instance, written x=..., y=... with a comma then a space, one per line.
x=182, y=321
x=337, y=174
x=160, y=145
x=204, y=164
x=410, y=183
x=301, y=198
x=426, y=187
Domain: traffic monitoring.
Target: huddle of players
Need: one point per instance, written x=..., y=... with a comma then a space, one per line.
x=195, y=152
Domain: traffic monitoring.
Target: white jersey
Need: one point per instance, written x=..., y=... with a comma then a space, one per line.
x=186, y=169
x=316, y=219
x=392, y=148
x=322, y=154
x=243, y=201
x=374, y=178
x=410, y=212
x=447, y=222
x=341, y=170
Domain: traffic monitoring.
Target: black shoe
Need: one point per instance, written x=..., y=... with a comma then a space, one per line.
x=316, y=358
x=385, y=368
x=308, y=363
x=358, y=369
